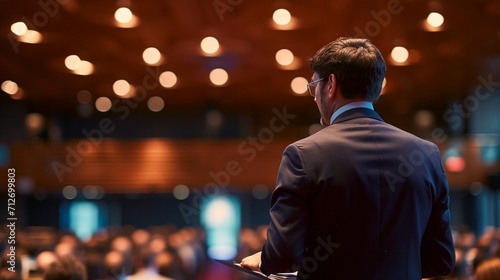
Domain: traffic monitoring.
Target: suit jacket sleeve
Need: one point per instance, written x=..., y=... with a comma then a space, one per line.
x=437, y=249
x=284, y=249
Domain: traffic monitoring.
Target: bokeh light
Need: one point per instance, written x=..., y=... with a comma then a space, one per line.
x=35, y=123
x=19, y=28
x=123, y=15
x=10, y=87
x=181, y=192
x=455, y=164
x=121, y=87
x=313, y=128
x=284, y=57
x=151, y=56
x=31, y=37
x=214, y=118
x=400, y=54
x=85, y=68
x=435, y=19
x=168, y=79
x=72, y=62
x=219, y=76
x=69, y=192
x=156, y=104
x=103, y=104
x=84, y=96
x=209, y=45
x=282, y=17
x=299, y=85
x=260, y=191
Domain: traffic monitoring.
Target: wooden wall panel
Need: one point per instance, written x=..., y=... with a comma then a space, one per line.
x=160, y=164
x=148, y=164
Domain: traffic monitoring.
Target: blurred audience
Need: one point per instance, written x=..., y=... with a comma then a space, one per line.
x=489, y=269
x=6, y=274
x=472, y=251
x=114, y=254
x=43, y=261
x=114, y=265
x=10, y=270
x=145, y=268
x=167, y=253
x=168, y=265
x=67, y=268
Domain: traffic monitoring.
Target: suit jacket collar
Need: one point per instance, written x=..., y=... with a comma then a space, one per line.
x=357, y=113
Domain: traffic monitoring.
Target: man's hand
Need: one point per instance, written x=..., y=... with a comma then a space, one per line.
x=252, y=262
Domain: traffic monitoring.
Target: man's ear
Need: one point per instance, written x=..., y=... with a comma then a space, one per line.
x=332, y=89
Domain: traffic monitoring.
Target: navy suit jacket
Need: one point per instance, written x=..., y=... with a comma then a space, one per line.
x=360, y=199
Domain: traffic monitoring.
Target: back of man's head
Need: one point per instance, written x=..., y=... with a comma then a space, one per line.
x=357, y=64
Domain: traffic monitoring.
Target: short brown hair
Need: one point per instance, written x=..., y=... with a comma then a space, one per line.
x=357, y=65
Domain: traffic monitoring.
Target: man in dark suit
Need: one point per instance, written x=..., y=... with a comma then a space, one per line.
x=360, y=199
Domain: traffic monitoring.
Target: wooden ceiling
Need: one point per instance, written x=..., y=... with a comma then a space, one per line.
x=445, y=65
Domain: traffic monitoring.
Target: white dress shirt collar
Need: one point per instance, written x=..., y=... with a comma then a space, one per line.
x=349, y=106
